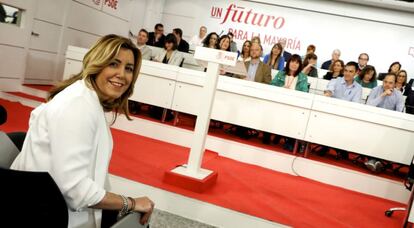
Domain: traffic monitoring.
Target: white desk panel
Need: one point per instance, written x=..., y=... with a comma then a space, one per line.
x=159, y=70
x=364, y=112
x=192, y=77
x=313, y=83
x=154, y=90
x=322, y=84
x=362, y=129
x=381, y=141
x=260, y=114
x=187, y=98
x=253, y=105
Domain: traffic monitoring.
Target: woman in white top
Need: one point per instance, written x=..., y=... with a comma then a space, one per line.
x=170, y=54
x=69, y=136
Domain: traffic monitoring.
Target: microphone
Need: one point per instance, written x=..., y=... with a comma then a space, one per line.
x=221, y=33
x=3, y=115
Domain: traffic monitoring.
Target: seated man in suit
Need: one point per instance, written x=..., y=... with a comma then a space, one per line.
x=384, y=96
x=286, y=55
x=257, y=71
x=335, y=56
x=182, y=45
x=142, y=39
x=157, y=37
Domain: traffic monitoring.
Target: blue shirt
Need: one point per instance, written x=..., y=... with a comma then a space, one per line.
x=392, y=102
x=280, y=65
x=343, y=91
x=251, y=73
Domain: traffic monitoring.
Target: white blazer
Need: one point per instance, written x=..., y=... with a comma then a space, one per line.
x=175, y=59
x=69, y=137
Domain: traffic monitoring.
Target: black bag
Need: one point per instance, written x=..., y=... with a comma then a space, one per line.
x=409, y=102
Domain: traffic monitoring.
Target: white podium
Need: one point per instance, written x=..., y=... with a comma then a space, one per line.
x=192, y=176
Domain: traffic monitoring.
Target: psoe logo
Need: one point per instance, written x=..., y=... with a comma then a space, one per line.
x=219, y=55
x=111, y=3
x=411, y=51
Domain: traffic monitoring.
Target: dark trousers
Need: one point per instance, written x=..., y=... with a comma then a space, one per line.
x=266, y=138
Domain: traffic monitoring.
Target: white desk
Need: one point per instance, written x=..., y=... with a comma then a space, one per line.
x=156, y=85
x=248, y=104
x=362, y=129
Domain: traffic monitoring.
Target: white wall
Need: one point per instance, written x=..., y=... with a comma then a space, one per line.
x=385, y=34
x=39, y=58
x=13, y=46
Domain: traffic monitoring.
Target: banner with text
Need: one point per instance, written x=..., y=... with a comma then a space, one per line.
x=385, y=43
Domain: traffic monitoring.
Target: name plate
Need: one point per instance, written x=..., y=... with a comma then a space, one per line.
x=216, y=56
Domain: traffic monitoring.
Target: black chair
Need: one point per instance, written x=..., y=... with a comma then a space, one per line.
x=3, y=115
x=409, y=182
x=182, y=63
x=28, y=199
x=31, y=199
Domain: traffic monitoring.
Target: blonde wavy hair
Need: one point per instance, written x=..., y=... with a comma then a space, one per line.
x=102, y=53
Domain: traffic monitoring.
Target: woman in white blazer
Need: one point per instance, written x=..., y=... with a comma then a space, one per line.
x=69, y=136
x=170, y=54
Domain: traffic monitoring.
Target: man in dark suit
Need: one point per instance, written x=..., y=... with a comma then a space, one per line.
x=183, y=46
x=285, y=53
x=157, y=37
x=335, y=56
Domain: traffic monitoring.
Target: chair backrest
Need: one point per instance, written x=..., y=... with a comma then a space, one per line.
x=182, y=62
x=8, y=151
x=31, y=199
x=3, y=115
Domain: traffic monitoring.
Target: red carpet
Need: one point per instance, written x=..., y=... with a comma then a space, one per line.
x=250, y=189
x=39, y=87
x=24, y=95
x=17, y=116
x=253, y=190
x=187, y=122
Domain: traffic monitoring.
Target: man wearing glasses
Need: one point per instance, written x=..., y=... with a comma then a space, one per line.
x=362, y=62
x=157, y=37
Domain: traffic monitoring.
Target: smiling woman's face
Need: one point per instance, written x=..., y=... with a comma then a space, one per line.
x=115, y=78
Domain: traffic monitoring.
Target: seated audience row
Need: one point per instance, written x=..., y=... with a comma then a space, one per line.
x=277, y=56
x=346, y=81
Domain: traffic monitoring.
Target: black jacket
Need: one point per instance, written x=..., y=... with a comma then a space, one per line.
x=151, y=40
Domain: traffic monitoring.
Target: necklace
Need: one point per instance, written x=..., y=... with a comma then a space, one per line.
x=290, y=80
